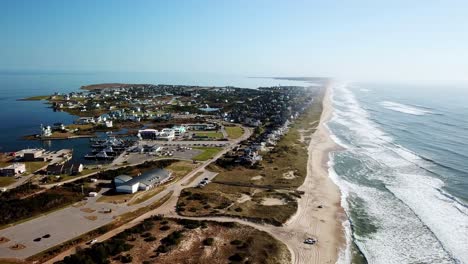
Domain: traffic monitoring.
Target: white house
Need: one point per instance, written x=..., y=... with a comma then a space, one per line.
x=13, y=169
x=166, y=134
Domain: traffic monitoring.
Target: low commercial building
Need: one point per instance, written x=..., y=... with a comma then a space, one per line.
x=148, y=134
x=124, y=184
x=33, y=154
x=13, y=169
x=143, y=182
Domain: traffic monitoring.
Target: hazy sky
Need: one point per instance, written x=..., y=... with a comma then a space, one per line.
x=359, y=40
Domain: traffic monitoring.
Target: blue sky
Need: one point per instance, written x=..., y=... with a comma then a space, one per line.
x=358, y=40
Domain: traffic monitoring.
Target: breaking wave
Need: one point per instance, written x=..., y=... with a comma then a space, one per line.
x=407, y=109
x=398, y=209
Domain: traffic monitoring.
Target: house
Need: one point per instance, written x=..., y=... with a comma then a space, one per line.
x=46, y=131
x=84, y=120
x=166, y=134
x=66, y=168
x=179, y=130
x=14, y=169
x=108, y=123
x=54, y=169
x=143, y=182
x=72, y=168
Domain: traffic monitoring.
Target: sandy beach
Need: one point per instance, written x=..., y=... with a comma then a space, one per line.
x=326, y=223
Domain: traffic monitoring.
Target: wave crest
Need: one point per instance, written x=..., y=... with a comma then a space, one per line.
x=407, y=109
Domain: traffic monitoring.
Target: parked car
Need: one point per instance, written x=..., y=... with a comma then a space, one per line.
x=310, y=241
x=91, y=242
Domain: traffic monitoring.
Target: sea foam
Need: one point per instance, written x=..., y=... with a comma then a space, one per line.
x=407, y=109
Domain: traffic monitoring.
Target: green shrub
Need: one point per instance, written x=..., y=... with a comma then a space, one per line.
x=208, y=241
x=164, y=228
x=236, y=242
x=150, y=239
x=236, y=257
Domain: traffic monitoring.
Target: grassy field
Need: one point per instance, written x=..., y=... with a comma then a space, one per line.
x=208, y=153
x=36, y=98
x=210, y=134
x=33, y=166
x=234, y=132
x=81, y=127
x=7, y=180
x=181, y=168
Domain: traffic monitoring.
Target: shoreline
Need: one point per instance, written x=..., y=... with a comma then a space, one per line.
x=326, y=224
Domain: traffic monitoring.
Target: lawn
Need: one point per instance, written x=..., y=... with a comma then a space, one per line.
x=181, y=168
x=5, y=181
x=234, y=131
x=32, y=166
x=209, y=134
x=208, y=153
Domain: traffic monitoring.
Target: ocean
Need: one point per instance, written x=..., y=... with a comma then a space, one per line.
x=21, y=118
x=403, y=170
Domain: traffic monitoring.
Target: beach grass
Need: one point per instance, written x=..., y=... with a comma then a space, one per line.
x=238, y=201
